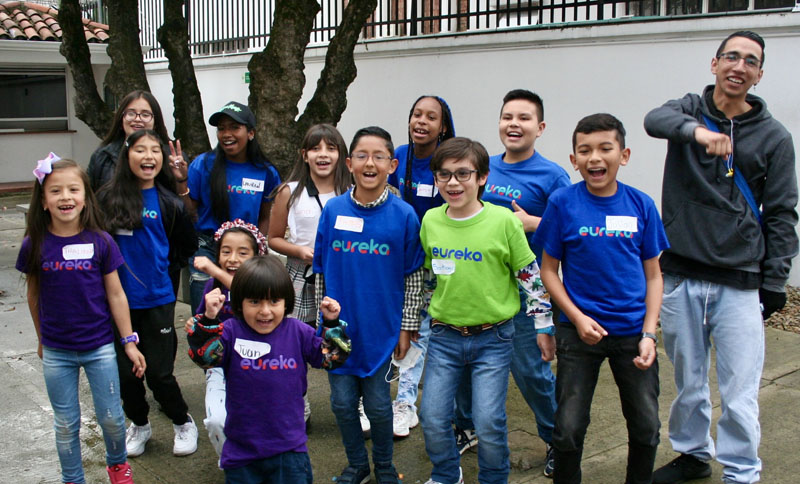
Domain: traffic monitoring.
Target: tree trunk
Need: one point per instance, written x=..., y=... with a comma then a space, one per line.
x=330, y=97
x=277, y=80
x=173, y=36
x=89, y=106
x=126, y=73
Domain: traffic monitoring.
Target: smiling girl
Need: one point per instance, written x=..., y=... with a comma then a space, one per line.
x=153, y=231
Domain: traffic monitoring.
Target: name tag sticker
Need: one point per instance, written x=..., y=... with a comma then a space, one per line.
x=350, y=224
x=622, y=223
x=424, y=190
x=252, y=350
x=124, y=232
x=77, y=251
x=253, y=185
x=443, y=266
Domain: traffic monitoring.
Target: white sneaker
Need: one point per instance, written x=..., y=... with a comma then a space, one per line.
x=365, y=425
x=185, y=438
x=460, y=478
x=404, y=418
x=136, y=437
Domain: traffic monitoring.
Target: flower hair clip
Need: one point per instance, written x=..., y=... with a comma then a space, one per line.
x=45, y=167
x=260, y=239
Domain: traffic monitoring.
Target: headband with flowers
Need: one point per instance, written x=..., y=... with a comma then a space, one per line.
x=260, y=239
x=45, y=167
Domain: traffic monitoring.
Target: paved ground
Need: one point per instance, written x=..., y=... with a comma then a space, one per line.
x=27, y=450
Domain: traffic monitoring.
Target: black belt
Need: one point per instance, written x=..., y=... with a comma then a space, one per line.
x=469, y=330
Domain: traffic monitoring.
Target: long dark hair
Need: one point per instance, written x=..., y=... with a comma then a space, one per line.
x=121, y=198
x=301, y=172
x=444, y=135
x=220, y=206
x=38, y=219
x=118, y=133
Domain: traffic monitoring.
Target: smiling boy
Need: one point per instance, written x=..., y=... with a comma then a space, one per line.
x=479, y=257
x=723, y=145
x=607, y=237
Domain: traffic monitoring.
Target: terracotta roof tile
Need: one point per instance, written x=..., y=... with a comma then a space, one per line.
x=32, y=21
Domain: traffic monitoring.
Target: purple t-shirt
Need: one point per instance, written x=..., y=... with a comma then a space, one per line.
x=266, y=379
x=73, y=308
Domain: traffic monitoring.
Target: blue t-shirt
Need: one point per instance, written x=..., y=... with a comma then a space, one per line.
x=145, y=275
x=364, y=255
x=529, y=183
x=73, y=306
x=249, y=187
x=602, y=243
x=424, y=194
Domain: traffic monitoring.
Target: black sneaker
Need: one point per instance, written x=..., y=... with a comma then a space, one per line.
x=465, y=439
x=681, y=469
x=549, y=461
x=354, y=475
x=386, y=474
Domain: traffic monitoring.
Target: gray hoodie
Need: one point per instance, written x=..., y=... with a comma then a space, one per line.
x=706, y=217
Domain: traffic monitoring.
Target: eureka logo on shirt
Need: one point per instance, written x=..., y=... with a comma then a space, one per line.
x=149, y=213
x=507, y=191
x=273, y=363
x=457, y=254
x=357, y=247
x=603, y=232
x=66, y=265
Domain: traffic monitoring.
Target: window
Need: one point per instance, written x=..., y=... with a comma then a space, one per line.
x=33, y=100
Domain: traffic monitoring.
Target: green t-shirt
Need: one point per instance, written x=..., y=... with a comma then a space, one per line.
x=475, y=262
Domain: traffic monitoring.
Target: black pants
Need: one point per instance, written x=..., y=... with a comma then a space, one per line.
x=158, y=343
x=578, y=369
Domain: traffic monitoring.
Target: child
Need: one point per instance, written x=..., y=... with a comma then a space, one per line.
x=261, y=337
x=522, y=180
x=480, y=257
x=429, y=123
x=152, y=228
x=608, y=236
x=319, y=174
x=236, y=242
x=367, y=255
x=233, y=181
x=73, y=312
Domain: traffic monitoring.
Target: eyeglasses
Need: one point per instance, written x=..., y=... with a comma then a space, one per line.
x=376, y=157
x=130, y=115
x=444, y=176
x=734, y=58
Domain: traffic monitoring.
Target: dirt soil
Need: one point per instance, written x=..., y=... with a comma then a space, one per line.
x=788, y=318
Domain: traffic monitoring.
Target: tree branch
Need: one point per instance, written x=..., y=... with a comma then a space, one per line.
x=126, y=73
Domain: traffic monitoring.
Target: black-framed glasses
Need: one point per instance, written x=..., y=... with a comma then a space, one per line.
x=462, y=175
x=376, y=157
x=734, y=58
x=130, y=115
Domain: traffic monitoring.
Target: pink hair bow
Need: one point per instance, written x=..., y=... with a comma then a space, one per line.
x=45, y=167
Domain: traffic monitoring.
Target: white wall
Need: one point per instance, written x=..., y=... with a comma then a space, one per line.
x=19, y=152
x=625, y=69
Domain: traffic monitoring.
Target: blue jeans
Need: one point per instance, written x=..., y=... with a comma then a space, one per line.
x=408, y=384
x=285, y=468
x=61, y=371
x=197, y=279
x=533, y=376
x=485, y=359
x=694, y=313
x=345, y=393
x=578, y=368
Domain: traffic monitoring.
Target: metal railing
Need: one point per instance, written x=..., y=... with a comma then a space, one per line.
x=219, y=27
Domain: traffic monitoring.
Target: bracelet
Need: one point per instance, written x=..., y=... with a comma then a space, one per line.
x=184, y=193
x=182, y=180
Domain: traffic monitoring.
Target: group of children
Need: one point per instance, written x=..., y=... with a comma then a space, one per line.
x=450, y=267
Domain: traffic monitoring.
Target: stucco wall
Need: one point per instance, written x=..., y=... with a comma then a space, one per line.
x=625, y=69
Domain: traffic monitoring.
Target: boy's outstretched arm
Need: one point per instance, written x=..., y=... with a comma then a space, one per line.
x=412, y=303
x=538, y=307
x=589, y=330
x=652, y=300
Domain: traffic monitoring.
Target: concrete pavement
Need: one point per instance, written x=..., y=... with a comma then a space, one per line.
x=28, y=455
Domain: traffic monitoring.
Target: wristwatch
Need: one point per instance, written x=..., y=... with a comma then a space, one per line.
x=133, y=338
x=652, y=336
